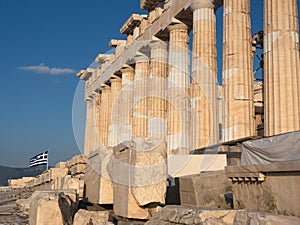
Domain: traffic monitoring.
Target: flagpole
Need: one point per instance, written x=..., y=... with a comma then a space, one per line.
x=48, y=159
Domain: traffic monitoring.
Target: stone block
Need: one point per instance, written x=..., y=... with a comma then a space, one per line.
x=23, y=205
x=19, y=183
x=125, y=204
x=73, y=183
x=77, y=169
x=5, y=189
x=43, y=187
x=90, y=217
x=51, y=207
x=77, y=159
x=244, y=217
x=57, y=173
x=45, y=177
x=99, y=187
x=92, y=184
x=207, y=190
x=60, y=165
x=191, y=215
x=38, y=180
x=57, y=176
x=184, y=165
x=30, y=184
x=270, y=188
x=148, y=173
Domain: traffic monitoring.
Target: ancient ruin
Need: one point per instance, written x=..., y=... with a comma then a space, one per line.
x=160, y=130
x=157, y=96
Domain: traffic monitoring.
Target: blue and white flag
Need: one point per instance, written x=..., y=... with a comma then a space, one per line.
x=39, y=159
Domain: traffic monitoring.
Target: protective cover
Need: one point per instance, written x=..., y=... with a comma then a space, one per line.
x=279, y=148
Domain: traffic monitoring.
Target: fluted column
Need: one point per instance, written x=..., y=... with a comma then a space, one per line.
x=157, y=100
x=149, y=157
x=104, y=115
x=116, y=86
x=87, y=136
x=281, y=57
x=178, y=90
x=239, y=118
x=91, y=133
x=204, y=93
x=140, y=106
x=97, y=143
x=125, y=105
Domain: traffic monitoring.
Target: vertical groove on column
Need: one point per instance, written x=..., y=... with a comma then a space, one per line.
x=97, y=119
x=140, y=106
x=149, y=150
x=104, y=115
x=116, y=86
x=178, y=127
x=125, y=104
x=87, y=128
x=157, y=99
x=239, y=120
x=93, y=128
x=281, y=46
x=205, y=79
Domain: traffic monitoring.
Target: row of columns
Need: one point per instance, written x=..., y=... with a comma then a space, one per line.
x=169, y=102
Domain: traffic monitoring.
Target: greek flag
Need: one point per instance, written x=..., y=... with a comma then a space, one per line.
x=39, y=159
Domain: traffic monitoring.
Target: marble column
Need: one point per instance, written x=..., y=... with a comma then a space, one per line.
x=178, y=128
x=140, y=105
x=149, y=155
x=281, y=58
x=91, y=127
x=125, y=105
x=116, y=86
x=157, y=100
x=239, y=116
x=99, y=187
x=87, y=141
x=104, y=115
x=97, y=143
x=204, y=90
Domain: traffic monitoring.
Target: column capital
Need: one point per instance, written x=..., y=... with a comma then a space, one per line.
x=105, y=87
x=177, y=25
x=127, y=69
x=114, y=78
x=91, y=98
x=157, y=43
x=141, y=57
x=199, y=4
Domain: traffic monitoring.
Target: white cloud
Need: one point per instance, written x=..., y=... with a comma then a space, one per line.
x=43, y=69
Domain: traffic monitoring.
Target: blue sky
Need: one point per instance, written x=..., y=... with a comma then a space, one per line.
x=36, y=102
x=43, y=44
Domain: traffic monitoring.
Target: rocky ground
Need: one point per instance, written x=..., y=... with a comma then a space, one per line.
x=9, y=214
x=8, y=211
